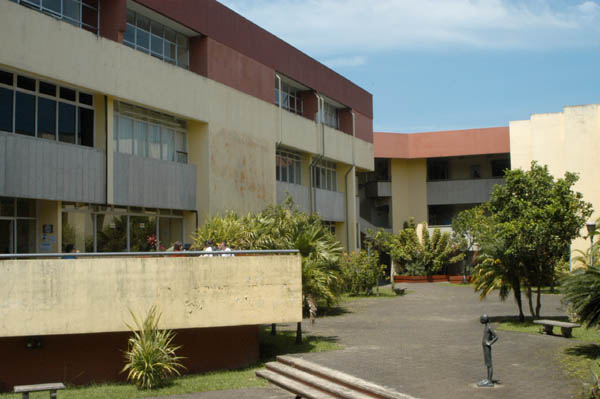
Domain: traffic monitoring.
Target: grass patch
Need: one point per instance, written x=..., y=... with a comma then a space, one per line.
x=579, y=360
x=384, y=292
x=270, y=346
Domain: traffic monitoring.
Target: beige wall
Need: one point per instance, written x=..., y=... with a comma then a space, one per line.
x=232, y=137
x=49, y=214
x=409, y=191
x=72, y=296
x=565, y=141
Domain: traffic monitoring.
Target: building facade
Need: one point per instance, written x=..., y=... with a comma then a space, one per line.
x=120, y=120
x=432, y=176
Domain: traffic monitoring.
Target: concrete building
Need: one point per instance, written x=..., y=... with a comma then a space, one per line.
x=431, y=176
x=143, y=117
x=126, y=120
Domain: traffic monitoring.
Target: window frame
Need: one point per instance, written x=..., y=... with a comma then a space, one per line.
x=39, y=6
x=289, y=92
x=294, y=163
x=325, y=175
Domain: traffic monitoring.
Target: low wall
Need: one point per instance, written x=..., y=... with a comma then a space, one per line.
x=83, y=296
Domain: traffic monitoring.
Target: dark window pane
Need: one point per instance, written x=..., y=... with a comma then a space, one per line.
x=130, y=17
x=52, y=5
x=25, y=114
x=71, y=10
x=129, y=35
x=25, y=236
x=6, y=78
x=157, y=45
x=86, y=99
x=6, y=109
x=143, y=39
x=25, y=83
x=66, y=123
x=67, y=94
x=47, y=118
x=48, y=88
x=26, y=208
x=7, y=206
x=86, y=127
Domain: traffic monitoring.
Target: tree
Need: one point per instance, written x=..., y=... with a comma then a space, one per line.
x=531, y=221
x=465, y=227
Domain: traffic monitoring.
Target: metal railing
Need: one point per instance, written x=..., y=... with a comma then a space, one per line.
x=72, y=255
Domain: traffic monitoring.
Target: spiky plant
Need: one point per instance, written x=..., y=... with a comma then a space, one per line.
x=582, y=292
x=150, y=359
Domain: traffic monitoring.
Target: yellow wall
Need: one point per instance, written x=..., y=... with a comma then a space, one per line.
x=565, y=141
x=72, y=296
x=49, y=214
x=409, y=191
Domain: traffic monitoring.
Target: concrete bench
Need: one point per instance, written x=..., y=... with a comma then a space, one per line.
x=312, y=381
x=565, y=327
x=52, y=387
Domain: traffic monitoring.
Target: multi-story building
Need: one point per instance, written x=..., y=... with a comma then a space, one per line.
x=431, y=176
x=122, y=119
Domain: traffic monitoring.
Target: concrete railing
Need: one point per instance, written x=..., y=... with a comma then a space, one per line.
x=94, y=295
x=471, y=191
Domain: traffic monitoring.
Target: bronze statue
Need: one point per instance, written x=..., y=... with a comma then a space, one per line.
x=489, y=338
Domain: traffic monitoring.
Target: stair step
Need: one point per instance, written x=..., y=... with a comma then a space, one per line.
x=293, y=386
x=347, y=380
x=337, y=390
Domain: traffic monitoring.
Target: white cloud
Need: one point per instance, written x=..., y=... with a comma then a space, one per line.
x=348, y=30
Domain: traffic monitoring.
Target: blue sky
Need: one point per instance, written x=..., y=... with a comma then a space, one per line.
x=448, y=64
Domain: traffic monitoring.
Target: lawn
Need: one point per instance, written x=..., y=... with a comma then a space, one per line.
x=579, y=360
x=270, y=346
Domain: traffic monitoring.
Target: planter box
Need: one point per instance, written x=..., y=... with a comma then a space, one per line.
x=410, y=279
x=458, y=279
x=439, y=277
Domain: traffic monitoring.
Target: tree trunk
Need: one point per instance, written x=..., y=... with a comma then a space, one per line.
x=517, y=294
x=530, y=301
x=538, y=305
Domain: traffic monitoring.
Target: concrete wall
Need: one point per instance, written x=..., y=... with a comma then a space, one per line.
x=299, y=193
x=565, y=141
x=79, y=296
x=44, y=169
x=153, y=183
x=469, y=191
x=409, y=191
x=330, y=205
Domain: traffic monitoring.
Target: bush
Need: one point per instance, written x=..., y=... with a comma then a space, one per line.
x=361, y=271
x=150, y=357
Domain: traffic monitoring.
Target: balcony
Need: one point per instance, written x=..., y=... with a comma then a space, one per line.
x=94, y=295
x=45, y=169
x=330, y=205
x=154, y=184
x=469, y=191
x=379, y=189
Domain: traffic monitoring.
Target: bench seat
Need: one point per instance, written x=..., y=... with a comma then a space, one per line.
x=52, y=387
x=565, y=327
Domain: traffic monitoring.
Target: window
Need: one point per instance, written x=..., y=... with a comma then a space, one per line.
x=330, y=117
x=288, y=167
x=325, y=176
x=475, y=171
x=498, y=167
x=81, y=13
x=437, y=169
x=17, y=225
x=93, y=228
x=42, y=109
x=146, y=133
x=330, y=226
x=290, y=97
x=153, y=38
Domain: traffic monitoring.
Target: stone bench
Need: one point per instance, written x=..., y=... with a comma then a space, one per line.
x=565, y=327
x=52, y=387
x=312, y=381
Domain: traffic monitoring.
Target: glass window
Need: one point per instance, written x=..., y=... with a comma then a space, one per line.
x=499, y=166
x=111, y=233
x=142, y=229
x=154, y=141
x=25, y=114
x=288, y=166
x=71, y=10
x=6, y=78
x=125, y=135
x=139, y=144
x=25, y=236
x=142, y=38
x=291, y=99
x=6, y=109
x=48, y=88
x=46, y=118
x=78, y=230
x=170, y=230
x=85, y=130
x=129, y=35
x=86, y=99
x=68, y=10
x=26, y=208
x=168, y=144
x=67, y=94
x=7, y=206
x=51, y=5
x=25, y=83
x=325, y=176
x=66, y=123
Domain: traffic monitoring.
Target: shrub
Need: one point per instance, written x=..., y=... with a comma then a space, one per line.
x=361, y=272
x=150, y=358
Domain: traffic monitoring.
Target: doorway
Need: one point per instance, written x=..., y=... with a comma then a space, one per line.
x=7, y=236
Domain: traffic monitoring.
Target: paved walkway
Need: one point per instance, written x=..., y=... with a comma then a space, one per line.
x=428, y=344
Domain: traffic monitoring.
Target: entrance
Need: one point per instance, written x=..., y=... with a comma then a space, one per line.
x=7, y=237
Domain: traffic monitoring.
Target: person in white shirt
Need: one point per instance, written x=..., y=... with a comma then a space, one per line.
x=208, y=247
x=223, y=247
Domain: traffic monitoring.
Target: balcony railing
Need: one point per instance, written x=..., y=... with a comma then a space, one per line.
x=469, y=191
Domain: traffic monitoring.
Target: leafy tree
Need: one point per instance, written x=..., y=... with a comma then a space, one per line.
x=465, y=227
x=361, y=271
x=532, y=220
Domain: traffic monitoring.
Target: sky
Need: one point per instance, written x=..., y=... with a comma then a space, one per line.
x=447, y=64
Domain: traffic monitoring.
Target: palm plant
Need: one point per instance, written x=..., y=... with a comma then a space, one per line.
x=150, y=358
x=582, y=292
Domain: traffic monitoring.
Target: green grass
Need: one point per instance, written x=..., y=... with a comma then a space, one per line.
x=578, y=360
x=270, y=346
